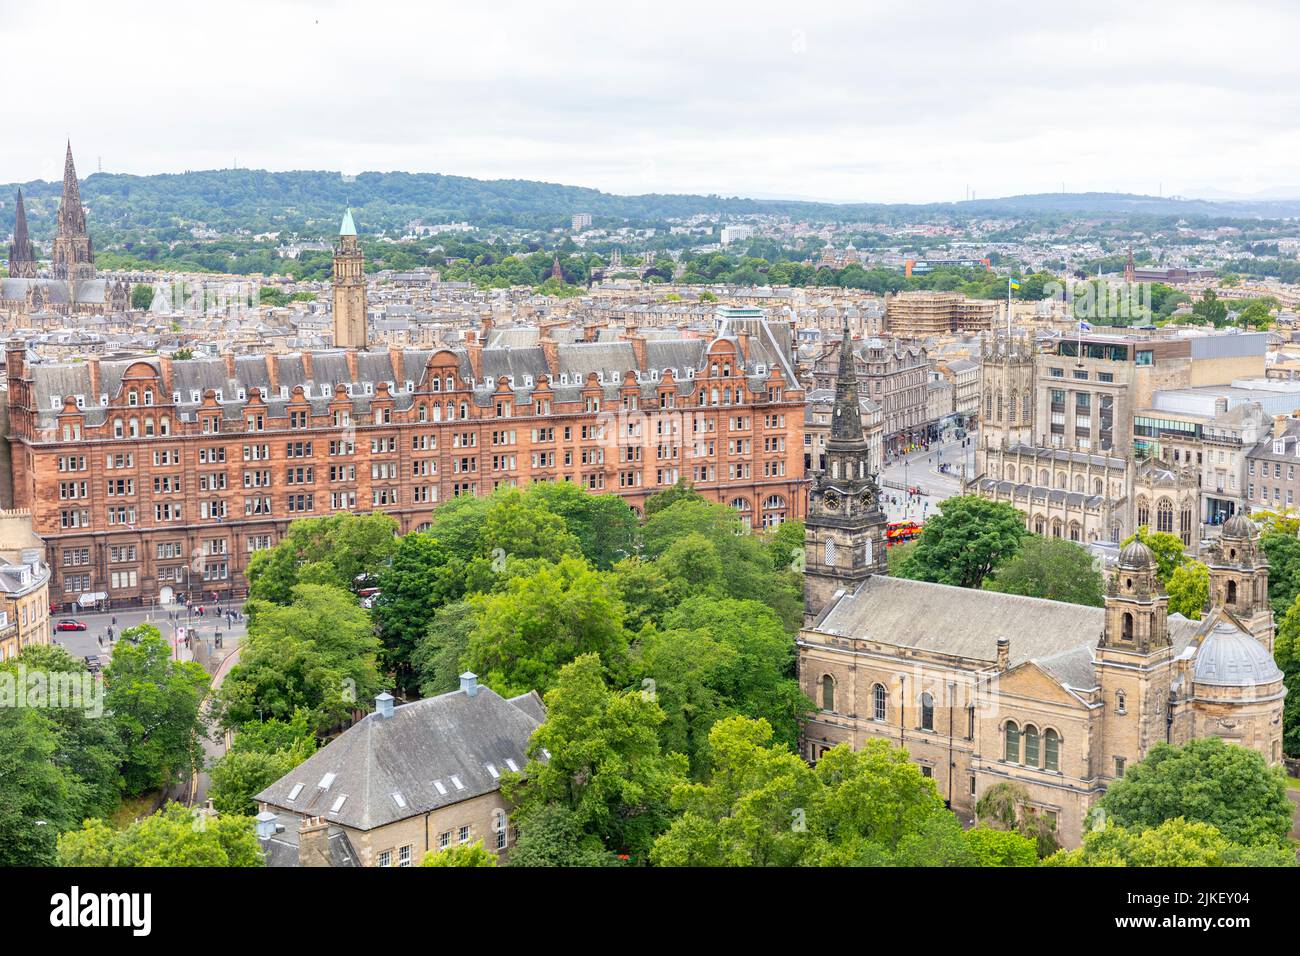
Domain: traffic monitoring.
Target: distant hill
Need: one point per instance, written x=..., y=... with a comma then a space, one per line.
x=309, y=203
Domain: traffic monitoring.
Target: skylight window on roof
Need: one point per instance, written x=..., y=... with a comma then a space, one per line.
x=442, y=787
x=326, y=781
x=455, y=782
x=297, y=789
x=491, y=768
x=512, y=765
x=399, y=800
x=338, y=804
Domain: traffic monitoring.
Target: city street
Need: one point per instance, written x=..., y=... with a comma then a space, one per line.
x=921, y=469
x=94, y=640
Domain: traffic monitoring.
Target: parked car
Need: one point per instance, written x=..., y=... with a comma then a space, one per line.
x=93, y=664
x=68, y=624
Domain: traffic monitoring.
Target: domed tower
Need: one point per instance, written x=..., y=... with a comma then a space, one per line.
x=1239, y=578
x=844, y=538
x=1238, y=692
x=1134, y=661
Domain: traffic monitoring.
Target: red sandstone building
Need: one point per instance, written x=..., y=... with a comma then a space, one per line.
x=153, y=479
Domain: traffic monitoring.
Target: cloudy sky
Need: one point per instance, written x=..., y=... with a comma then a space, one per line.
x=846, y=100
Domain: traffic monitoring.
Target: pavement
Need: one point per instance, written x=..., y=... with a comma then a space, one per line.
x=921, y=469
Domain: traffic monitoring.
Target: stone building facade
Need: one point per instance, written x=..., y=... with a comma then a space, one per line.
x=983, y=688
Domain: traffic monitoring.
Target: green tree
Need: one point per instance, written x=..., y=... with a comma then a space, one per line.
x=717, y=657
x=989, y=847
x=604, y=525
x=1175, y=842
x=260, y=755
x=1051, y=568
x=1007, y=807
x=552, y=835
x=1207, y=781
x=440, y=654
x=141, y=296
x=337, y=550
x=605, y=765
x=37, y=797
x=155, y=703
x=1209, y=310
x=1189, y=590
x=966, y=541
x=465, y=854
x=1286, y=652
x=89, y=747
x=1283, y=553
x=752, y=811
x=413, y=586
x=174, y=836
x=543, y=620
x=683, y=490
x=317, y=653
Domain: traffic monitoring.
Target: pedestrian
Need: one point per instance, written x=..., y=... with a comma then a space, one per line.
x=114, y=619
x=101, y=642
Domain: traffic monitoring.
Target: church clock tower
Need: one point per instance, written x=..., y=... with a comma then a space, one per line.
x=844, y=540
x=349, y=288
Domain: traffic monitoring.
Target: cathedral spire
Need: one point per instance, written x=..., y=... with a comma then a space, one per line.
x=72, y=218
x=73, y=258
x=22, y=257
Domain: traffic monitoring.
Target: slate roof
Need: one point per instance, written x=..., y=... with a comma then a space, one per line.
x=386, y=769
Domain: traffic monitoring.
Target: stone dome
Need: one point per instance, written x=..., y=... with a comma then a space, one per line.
x=1238, y=526
x=1229, y=658
x=1136, y=556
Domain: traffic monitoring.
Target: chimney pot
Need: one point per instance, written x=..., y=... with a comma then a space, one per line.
x=384, y=705
x=469, y=683
x=266, y=825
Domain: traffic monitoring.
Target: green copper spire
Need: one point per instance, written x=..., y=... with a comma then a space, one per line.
x=349, y=228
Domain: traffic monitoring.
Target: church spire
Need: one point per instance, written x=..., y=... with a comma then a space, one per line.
x=72, y=218
x=846, y=417
x=73, y=257
x=22, y=257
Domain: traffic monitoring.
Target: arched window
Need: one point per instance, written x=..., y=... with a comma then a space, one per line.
x=1144, y=512
x=1038, y=524
x=927, y=712
x=1232, y=592
x=879, y=699
x=1031, y=745
x=1127, y=629
x=1011, y=740
x=828, y=553
x=1051, y=750
x=828, y=692
x=1121, y=702
x=1165, y=516
x=1024, y=406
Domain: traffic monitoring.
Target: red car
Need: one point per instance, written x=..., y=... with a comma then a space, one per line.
x=68, y=624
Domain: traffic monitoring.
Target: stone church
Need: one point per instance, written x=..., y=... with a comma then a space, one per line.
x=71, y=287
x=981, y=687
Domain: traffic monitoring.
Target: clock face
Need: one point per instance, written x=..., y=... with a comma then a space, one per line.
x=832, y=500
x=867, y=499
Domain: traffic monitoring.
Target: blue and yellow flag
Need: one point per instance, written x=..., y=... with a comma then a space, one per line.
x=1014, y=283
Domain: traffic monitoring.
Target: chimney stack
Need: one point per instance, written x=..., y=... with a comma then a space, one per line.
x=384, y=705
x=265, y=825
x=314, y=842
x=469, y=683
x=1004, y=653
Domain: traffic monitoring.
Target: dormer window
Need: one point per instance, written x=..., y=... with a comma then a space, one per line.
x=133, y=398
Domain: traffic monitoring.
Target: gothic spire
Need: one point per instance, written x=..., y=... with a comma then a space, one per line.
x=20, y=223
x=22, y=257
x=846, y=418
x=72, y=218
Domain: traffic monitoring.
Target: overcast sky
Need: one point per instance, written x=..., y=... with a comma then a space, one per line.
x=846, y=101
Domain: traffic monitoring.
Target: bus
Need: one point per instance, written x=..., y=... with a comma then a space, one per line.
x=897, y=532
